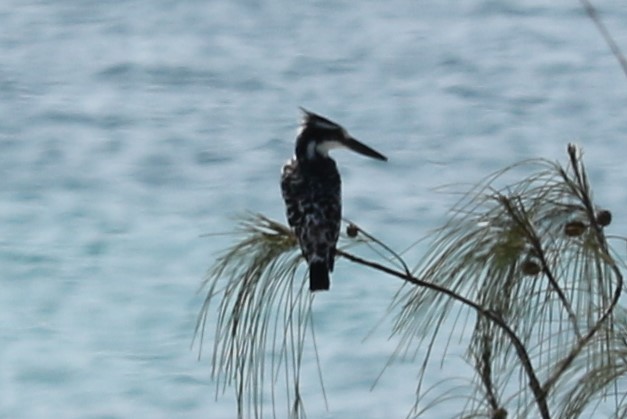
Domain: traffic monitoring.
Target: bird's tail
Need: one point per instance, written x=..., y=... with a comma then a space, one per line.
x=318, y=276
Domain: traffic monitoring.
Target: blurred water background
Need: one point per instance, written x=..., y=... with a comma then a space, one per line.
x=128, y=130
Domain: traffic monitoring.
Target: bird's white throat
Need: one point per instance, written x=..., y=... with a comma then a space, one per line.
x=322, y=148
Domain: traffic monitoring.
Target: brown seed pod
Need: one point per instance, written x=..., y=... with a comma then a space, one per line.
x=574, y=228
x=529, y=267
x=604, y=218
x=352, y=230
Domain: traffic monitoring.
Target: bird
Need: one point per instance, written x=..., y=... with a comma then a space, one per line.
x=311, y=189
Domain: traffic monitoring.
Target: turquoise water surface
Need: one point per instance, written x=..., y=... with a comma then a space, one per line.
x=131, y=130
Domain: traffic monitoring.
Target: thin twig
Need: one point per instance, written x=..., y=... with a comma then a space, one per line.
x=523, y=222
x=583, y=186
x=383, y=245
x=594, y=16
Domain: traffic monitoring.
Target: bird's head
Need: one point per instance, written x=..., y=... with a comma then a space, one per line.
x=318, y=135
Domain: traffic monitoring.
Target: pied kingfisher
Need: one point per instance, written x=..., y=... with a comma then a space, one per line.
x=311, y=188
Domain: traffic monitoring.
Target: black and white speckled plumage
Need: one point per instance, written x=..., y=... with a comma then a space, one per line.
x=311, y=188
x=312, y=194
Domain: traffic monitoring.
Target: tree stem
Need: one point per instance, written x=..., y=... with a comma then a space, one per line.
x=534, y=383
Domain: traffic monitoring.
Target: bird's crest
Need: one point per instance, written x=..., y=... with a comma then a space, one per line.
x=313, y=120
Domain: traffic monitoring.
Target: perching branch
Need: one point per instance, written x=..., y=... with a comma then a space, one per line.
x=534, y=384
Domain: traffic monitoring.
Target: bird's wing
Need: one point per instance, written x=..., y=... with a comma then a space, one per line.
x=292, y=190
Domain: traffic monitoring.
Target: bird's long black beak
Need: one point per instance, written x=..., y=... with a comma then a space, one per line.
x=362, y=148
